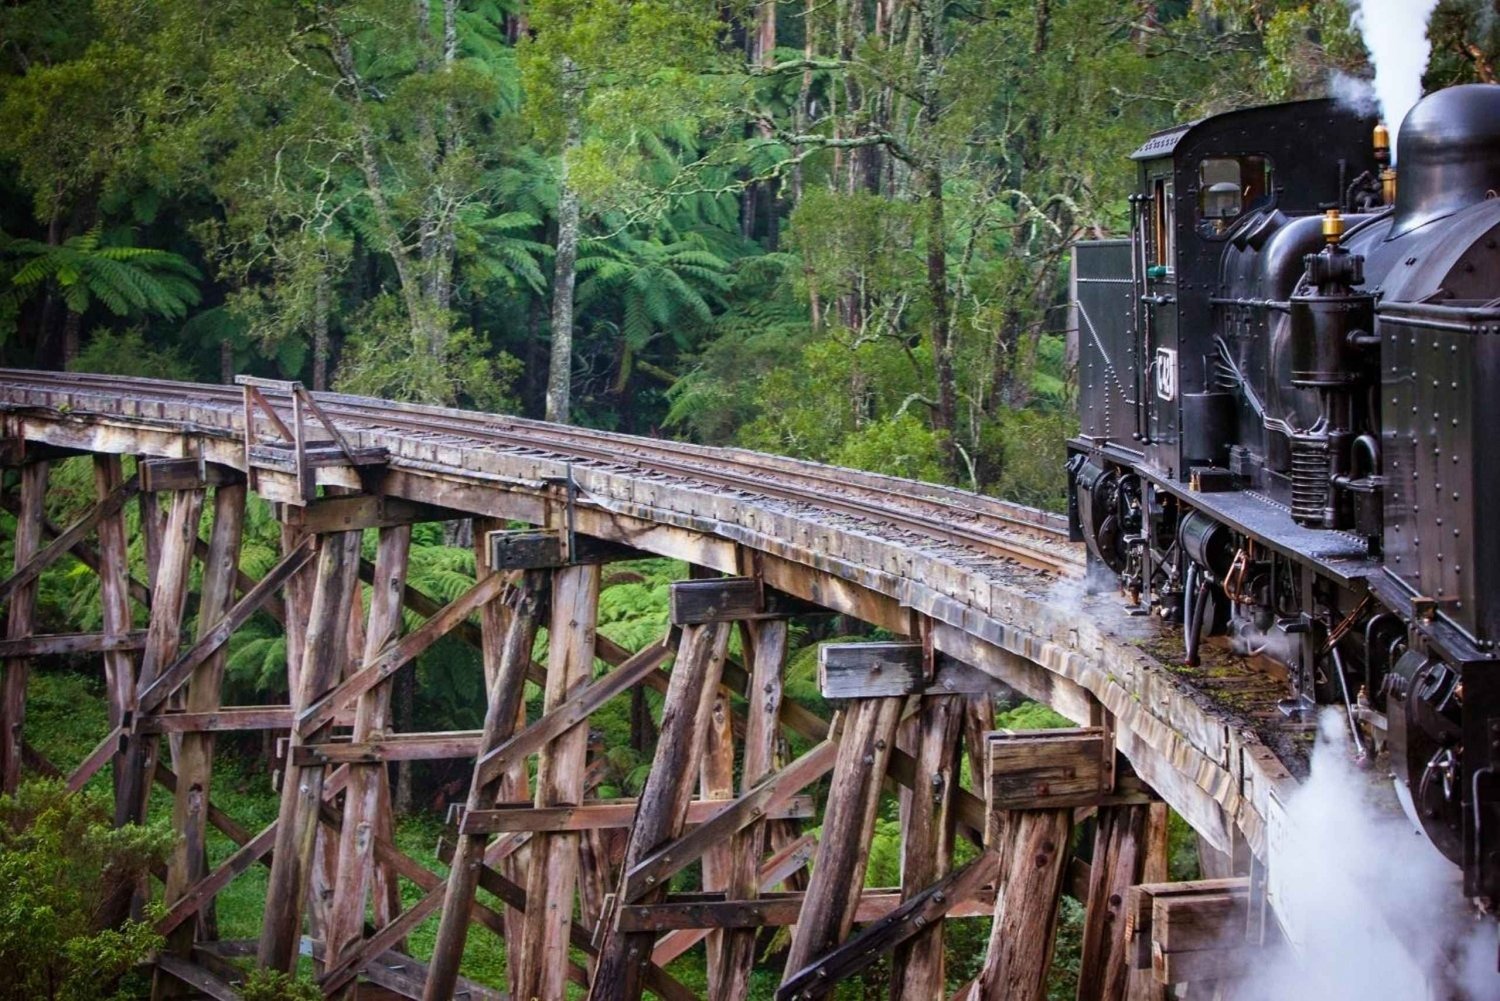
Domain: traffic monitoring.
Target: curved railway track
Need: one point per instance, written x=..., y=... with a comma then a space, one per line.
x=983, y=525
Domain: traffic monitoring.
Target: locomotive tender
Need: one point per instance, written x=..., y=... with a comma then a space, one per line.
x=1288, y=376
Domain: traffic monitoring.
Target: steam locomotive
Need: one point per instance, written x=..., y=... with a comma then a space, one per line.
x=1287, y=376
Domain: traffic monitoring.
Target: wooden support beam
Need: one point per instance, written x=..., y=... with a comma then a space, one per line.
x=572, y=711
x=1049, y=772
x=732, y=599
x=367, y=796
x=596, y=815
x=886, y=670
x=31, y=568
x=547, y=549
x=196, y=977
x=765, y=645
x=772, y=793
x=111, y=563
x=20, y=621
x=357, y=512
x=848, y=825
x=503, y=708
x=61, y=644
x=197, y=895
x=552, y=876
x=1188, y=931
x=224, y=719
x=916, y=914
x=917, y=965
x=686, y=716
x=164, y=475
x=709, y=911
x=1123, y=842
x=1047, y=769
x=194, y=764
x=82, y=551
x=399, y=653
x=210, y=641
x=324, y=653
x=18, y=452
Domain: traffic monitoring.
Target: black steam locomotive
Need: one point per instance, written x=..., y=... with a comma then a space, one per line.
x=1287, y=376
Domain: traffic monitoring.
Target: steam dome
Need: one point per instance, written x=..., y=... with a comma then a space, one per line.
x=1450, y=154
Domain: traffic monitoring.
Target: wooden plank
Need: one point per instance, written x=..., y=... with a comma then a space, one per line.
x=917, y=963
x=366, y=796
x=188, y=863
x=885, y=670
x=686, y=716
x=195, y=896
x=28, y=570
x=324, y=653
x=1046, y=769
x=765, y=644
x=358, y=512
x=546, y=549
x=503, y=707
x=163, y=475
x=1033, y=850
x=399, y=653
x=1141, y=899
x=848, y=824
x=1121, y=843
x=598, y=815
x=227, y=718
x=732, y=599
x=552, y=876
x=20, y=621
x=210, y=641
x=1205, y=921
x=911, y=918
x=196, y=977
x=1142, y=984
x=59, y=644
x=572, y=711
x=1208, y=965
x=112, y=565
x=770, y=794
x=716, y=783
x=704, y=911
x=96, y=759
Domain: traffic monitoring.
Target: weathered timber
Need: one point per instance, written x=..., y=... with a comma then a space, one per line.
x=358, y=512
x=772, y=909
x=194, y=760
x=716, y=783
x=1033, y=850
x=1142, y=985
x=917, y=965
x=552, y=876
x=1046, y=769
x=398, y=653
x=195, y=896
x=884, y=670
x=848, y=824
x=84, y=553
x=223, y=719
x=56, y=644
x=547, y=549
x=20, y=622
x=765, y=643
x=770, y=794
x=196, y=977
x=112, y=744
x=504, y=701
x=572, y=711
x=163, y=475
x=732, y=599
x=112, y=565
x=210, y=641
x=367, y=796
x=1122, y=843
x=910, y=919
x=686, y=716
x=598, y=815
x=1191, y=932
x=28, y=570
x=324, y=652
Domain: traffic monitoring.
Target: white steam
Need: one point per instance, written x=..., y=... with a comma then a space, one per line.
x=1374, y=911
x=1395, y=33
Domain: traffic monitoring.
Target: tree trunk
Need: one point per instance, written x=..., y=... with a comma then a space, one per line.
x=320, y=333
x=945, y=416
x=564, y=274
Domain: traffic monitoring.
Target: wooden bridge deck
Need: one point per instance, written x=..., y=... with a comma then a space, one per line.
x=989, y=595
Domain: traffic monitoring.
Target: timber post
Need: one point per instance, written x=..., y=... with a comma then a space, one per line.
x=20, y=622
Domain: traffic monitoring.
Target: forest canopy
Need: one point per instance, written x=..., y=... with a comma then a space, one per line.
x=838, y=230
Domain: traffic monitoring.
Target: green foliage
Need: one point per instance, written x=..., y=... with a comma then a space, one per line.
x=897, y=446
x=61, y=864
x=128, y=281
x=126, y=352
x=273, y=985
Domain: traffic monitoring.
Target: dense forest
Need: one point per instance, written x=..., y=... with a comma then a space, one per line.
x=835, y=229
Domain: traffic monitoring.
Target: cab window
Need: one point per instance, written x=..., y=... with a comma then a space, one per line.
x=1163, y=200
x=1228, y=187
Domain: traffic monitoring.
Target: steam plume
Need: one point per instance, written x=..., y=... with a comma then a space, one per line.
x=1395, y=33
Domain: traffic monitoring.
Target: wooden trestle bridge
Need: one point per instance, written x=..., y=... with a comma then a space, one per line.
x=591, y=894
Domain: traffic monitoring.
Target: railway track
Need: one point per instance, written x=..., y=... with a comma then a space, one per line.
x=983, y=525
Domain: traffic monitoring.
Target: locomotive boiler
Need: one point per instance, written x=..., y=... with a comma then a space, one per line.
x=1288, y=379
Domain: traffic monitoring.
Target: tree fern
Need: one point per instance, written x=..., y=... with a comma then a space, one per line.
x=125, y=280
